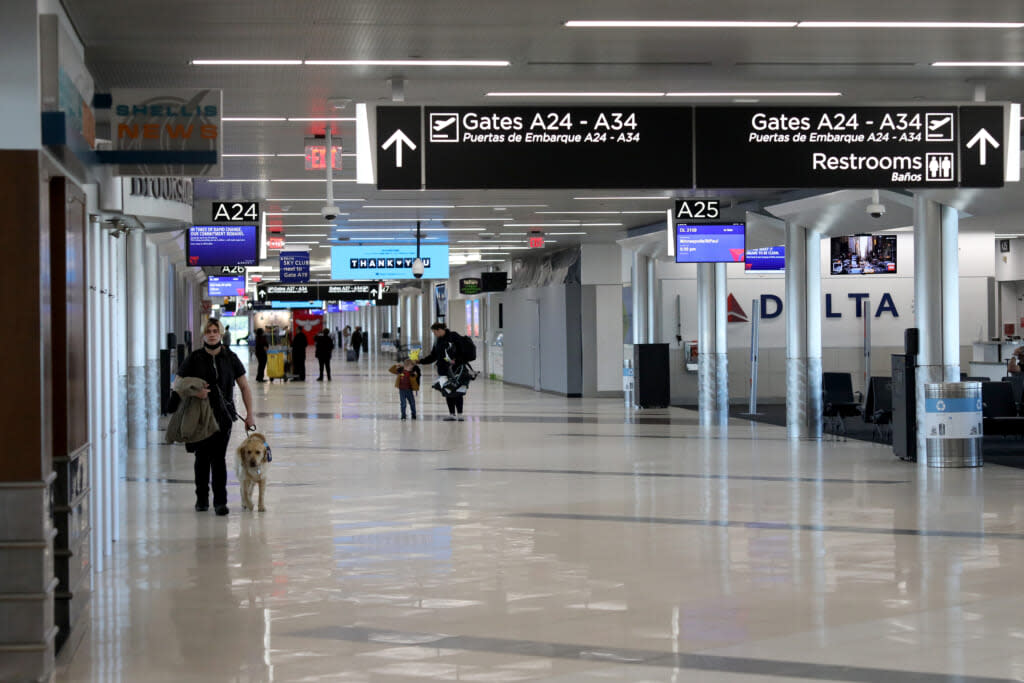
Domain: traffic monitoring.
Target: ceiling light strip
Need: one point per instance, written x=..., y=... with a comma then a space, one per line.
x=679, y=24
x=969, y=65
x=246, y=62
x=408, y=62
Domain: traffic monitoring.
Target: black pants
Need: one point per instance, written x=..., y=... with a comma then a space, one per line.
x=211, y=463
x=261, y=358
x=356, y=350
x=299, y=361
x=455, y=404
x=325, y=363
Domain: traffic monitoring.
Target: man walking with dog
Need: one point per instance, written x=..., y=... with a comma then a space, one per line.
x=221, y=371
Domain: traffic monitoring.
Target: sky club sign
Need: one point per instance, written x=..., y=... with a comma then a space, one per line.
x=772, y=307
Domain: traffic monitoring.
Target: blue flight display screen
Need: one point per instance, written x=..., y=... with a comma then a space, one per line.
x=710, y=243
x=226, y=286
x=222, y=245
x=766, y=258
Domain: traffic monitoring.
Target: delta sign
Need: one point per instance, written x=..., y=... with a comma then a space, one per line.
x=772, y=307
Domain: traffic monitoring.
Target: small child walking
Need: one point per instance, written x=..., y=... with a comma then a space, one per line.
x=407, y=383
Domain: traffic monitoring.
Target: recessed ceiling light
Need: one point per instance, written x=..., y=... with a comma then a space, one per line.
x=910, y=24
x=297, y=154
x=575, y=94
x=592, y=213
x=406, y=62
x=287, y=213
x=571, y=233
x=321, y=118
x=501, y=206
x=660, y=199
x=237, y=180
x=314, y=199
x=680, y=24
x=310, y=180
x=406, y=219
x=409, y=206
x=756, y=94
x=568, y=224
x=246, y=62
x=979, y=64
x=224, y=156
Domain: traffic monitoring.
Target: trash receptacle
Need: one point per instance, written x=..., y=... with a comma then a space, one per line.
x=953, y=424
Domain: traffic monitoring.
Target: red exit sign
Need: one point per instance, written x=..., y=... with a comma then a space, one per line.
x=275, y=243
x=536, y=242
x=316, y=157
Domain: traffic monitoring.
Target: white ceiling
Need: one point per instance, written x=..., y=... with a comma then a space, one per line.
x=145, y=43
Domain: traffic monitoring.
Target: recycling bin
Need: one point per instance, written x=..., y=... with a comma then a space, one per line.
x=953, y=424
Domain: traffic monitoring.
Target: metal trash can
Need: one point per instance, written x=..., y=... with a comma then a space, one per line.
x=953, y=424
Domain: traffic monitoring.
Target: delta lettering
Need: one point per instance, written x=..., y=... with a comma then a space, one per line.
x=377, y=263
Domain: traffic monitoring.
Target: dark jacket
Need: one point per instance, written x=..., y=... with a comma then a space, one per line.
x=220, y=372
x=262, y=344
x=356, y=339
x=445, y=353
x=324, y=346
x=299, y=344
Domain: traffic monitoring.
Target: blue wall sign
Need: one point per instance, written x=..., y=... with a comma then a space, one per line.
x=294, y=266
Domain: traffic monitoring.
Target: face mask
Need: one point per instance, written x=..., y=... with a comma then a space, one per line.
x=211, y=347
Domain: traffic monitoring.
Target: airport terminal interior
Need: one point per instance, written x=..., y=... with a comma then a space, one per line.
x=381, y=341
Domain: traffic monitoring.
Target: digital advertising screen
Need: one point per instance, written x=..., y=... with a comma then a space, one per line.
x=226, y=286
x=222, y=245
x=765, y=259
x=387, y=262
x=710, y=242
x=863, y=255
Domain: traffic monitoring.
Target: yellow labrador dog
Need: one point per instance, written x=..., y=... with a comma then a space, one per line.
x=251, y=465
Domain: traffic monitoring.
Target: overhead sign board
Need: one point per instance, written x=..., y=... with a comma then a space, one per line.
x=982, y=147
x=326, y=291
x=399, y=149
x=710, y=243
x=698, y=209
x=387, y=262
x=166, y=132
x=294, y=266
x=811, y=147
x=551, y=147
x=222, y=245
x=235, y=212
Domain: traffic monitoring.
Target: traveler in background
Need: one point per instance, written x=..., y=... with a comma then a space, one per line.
x=339, y=338
x=407, y=383
x=262, y=344
x=357, y=340
x=346, y=336
x=324, y=347
x=446, y=354
x=227, y=336
x=1016, y=363
x=221, y=369
x=299, y=344
x=366, y=342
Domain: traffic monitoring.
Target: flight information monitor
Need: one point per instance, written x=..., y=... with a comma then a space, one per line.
x=226, y=286
x=222, y=245
x=710, y=242
x=765, y=259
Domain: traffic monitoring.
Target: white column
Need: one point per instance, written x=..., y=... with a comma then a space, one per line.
x=135, y=316
x=152, y=337
x=120, y=312
x=712, y=357
x=721, y=343
x=98, y=501
x=812, y=316
x=936, y=300
x=639, y=284
x=796, y=331
x=109, y=384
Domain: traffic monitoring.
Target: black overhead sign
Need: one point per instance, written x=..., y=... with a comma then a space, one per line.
x=235, y=212
x=848, y=147
x=982, y=144
x=557, y=147
x=399, y=148
x=325, y=291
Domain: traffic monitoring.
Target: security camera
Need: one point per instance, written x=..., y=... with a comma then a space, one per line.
x=330, y=212
x=417, y=268
x=876, y=210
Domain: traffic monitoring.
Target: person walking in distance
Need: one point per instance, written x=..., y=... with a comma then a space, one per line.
x=299, y=344
x=324, y=348
x=357, y=340
x=262, y=345
x=452, y=354
x=221, y=369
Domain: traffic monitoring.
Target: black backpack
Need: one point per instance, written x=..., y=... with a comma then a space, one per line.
x=464, y=347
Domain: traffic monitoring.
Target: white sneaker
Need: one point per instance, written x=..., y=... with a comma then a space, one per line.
x=460, y=419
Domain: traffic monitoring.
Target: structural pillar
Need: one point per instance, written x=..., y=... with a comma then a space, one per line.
x=152, y=333
x=815, y=397
x=712, y=351
x=796, y=332
x=641, y=294
x=135, y=315
x=936, y=299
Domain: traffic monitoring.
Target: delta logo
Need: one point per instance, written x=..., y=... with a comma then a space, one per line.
x=736, y=312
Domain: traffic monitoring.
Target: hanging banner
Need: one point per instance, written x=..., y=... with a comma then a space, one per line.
x=165, y=132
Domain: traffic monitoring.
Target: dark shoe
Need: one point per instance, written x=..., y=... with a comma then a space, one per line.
x=460, y=419
x=403, y=417
x=319, y=379
x=414, y=417
x=202, y=507
x=450, y=418
x=221, y=510
x=260, y=380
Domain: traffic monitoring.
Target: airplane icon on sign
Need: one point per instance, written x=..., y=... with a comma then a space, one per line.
x=444, y=127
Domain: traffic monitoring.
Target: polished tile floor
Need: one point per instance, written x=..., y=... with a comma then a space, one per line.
x=558, y=540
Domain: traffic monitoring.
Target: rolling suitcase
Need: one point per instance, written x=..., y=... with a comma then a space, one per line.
x=350, y=355
x=275, y=365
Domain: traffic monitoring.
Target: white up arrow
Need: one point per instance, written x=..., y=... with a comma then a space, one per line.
x=401, y=139
x=984, y=138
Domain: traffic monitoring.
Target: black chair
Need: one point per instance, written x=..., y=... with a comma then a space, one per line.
x=878, y=408
x=838, y=400
x=999, y=410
